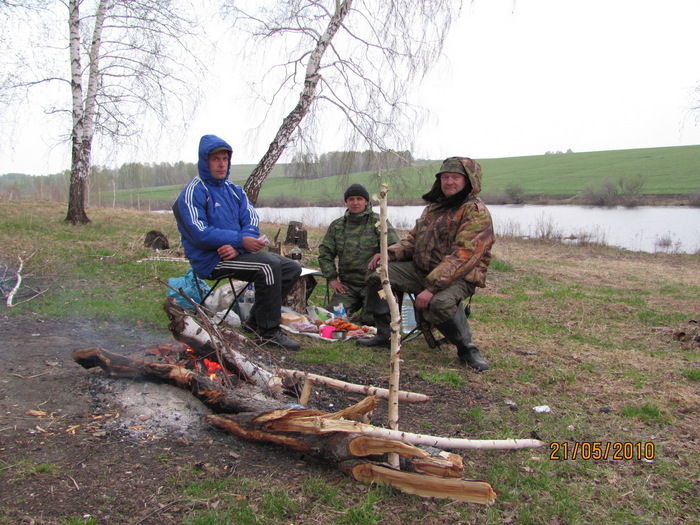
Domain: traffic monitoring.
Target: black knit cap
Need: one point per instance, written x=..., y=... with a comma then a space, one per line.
x=356, y=190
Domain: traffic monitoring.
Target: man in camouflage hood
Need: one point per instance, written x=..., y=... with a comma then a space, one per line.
x=352, y=241
x=442, y=260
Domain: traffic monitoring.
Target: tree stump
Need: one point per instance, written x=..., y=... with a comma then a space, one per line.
x=296, y=298
x=156, y=240
x=296, y=231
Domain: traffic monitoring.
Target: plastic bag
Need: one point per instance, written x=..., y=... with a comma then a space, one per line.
x=195, y=288
x=231, y=318
x=339, y=312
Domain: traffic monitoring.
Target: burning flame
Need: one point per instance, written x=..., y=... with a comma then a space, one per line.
x=212, y=368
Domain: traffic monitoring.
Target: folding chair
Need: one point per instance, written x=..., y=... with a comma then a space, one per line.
x=234, y=304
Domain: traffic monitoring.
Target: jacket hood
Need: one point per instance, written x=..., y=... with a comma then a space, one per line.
x=473, y=173
x=207, y=144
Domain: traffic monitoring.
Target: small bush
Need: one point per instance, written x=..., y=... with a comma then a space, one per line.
x=515, y=193
x=604, y=194
x=694, y=199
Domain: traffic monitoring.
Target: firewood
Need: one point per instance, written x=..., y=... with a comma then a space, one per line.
x=443, y=464
x=357, y=448
x=370, y=446
x=190, y=331
x=325, y=425
x=382, y=393
x=426, y=486
x=244, y=398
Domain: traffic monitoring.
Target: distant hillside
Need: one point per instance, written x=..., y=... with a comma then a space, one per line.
x=664, y=171
x=668, y=172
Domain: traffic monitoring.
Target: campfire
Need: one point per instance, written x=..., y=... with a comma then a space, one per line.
x=255, y=401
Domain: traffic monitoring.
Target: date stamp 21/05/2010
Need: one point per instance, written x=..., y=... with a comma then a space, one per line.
x=600, y=450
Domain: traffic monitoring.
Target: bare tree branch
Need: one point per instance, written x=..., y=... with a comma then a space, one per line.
x=352, y=61
x=128, y=59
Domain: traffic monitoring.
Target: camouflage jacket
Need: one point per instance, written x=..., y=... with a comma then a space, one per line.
x=451, y=241
x=353, y=239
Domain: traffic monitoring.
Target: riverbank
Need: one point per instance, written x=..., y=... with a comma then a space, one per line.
x=691, y=200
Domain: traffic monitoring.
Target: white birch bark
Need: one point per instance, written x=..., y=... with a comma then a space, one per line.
x=306, y=98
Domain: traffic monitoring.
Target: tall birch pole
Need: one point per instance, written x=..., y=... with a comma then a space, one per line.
x=395, y=352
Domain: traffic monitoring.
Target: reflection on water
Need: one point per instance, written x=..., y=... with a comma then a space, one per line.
x=644, y=229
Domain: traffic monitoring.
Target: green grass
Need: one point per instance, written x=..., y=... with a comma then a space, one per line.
x=588, y=331
x=692, y=375
x=442, y=376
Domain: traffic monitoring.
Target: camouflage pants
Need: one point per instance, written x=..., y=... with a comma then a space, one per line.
x=353, y=300
x=406, y=277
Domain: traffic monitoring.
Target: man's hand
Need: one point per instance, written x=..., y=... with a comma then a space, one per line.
x=227, y=252
x=423, y=299
x=252, y=244
x=374, y=262
x=337, y=286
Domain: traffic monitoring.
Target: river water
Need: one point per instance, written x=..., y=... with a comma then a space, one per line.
x=643, y=229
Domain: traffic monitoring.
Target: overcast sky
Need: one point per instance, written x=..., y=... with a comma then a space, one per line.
x=519, y=78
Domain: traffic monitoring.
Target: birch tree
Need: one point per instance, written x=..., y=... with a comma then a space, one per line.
x=129, y=61
x=349, y=63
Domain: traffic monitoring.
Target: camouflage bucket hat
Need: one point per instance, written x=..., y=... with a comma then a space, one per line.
x=452, y=165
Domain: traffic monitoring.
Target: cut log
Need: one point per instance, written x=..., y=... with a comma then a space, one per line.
x=426, y=486
x=296, y=298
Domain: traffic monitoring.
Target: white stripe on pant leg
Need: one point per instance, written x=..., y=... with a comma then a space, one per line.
x=249, y=266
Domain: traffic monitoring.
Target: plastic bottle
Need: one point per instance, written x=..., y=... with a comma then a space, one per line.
x=408, y=315
x=245, y=302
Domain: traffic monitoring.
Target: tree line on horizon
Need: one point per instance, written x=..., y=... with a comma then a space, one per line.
x=135, y=175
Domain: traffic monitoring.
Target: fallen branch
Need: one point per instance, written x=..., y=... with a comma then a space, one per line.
x=382, y=393
x=324, y=425
x=11, y=294
x=218, y=398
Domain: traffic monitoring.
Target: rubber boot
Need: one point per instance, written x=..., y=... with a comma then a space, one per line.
x=383, y=337
x=458, y=333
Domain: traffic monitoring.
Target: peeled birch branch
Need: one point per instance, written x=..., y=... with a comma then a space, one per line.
x=382, y=393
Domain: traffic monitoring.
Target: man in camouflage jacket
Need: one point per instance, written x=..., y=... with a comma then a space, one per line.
x=353, y=240
x=442, y=260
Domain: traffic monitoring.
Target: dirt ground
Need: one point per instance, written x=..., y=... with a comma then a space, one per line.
x=113, y=446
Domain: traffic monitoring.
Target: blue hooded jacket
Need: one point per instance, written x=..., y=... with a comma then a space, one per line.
x=211, y=213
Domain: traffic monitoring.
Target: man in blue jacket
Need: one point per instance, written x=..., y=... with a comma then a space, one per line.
x=221, y=236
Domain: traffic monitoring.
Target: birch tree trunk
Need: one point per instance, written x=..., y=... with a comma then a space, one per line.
x=80, y=147
x=308, y=94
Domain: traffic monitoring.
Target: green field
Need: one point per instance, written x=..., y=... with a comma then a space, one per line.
x=666, y=171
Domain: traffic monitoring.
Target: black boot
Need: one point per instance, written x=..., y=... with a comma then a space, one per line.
x=458, y=333
x=277, y=337
x=471, y=356
x=383, y=337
